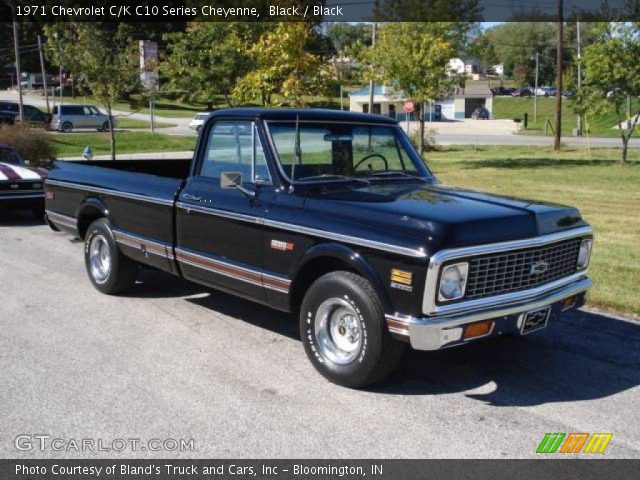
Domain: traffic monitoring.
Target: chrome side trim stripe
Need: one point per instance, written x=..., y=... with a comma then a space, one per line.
x=108, y=191
x=230, y=270
x=410, y=252
x=13, y=196
x=60, y=219
x=141, y=243
x=220, y=213
x=429, y=306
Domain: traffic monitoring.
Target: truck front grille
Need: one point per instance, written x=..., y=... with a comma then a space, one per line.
x=500, y=273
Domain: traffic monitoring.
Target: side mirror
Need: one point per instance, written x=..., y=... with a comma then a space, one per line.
x=234, y=180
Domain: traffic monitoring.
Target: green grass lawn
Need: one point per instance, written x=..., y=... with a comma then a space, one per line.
x=607, y=195
x=73, y=144
x=508, y=107
x=124, y=122
x=164, y=107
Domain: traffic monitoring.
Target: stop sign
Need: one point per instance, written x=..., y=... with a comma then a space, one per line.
x=408, y=107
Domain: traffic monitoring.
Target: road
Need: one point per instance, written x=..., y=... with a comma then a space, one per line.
x=171, y=359
x=459, y=132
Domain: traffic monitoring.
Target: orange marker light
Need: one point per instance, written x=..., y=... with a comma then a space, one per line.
x=478, y=329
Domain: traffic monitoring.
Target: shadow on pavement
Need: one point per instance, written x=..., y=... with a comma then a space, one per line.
x=581, y=356
x=20, y=218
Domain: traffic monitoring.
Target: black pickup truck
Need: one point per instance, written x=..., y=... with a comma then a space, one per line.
x=333, y=216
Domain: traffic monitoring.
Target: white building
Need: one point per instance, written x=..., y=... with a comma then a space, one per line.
x=389, y=103
x=465, y=66
x=498, y=70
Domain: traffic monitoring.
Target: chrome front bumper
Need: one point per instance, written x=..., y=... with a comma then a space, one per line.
x=439, y=331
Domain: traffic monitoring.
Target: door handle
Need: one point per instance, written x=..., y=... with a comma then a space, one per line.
x=195, y=198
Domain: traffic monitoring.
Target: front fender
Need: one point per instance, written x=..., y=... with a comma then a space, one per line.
x=349, y=256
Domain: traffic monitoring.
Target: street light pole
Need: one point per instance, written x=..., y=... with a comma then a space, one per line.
x=535, y=92
x=44, y=74
x=371, y=83
x=18, y=73
x=579, y=80
x=558, y=132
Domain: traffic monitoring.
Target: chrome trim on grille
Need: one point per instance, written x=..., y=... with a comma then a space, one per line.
x=108, y=191
x=429, y=306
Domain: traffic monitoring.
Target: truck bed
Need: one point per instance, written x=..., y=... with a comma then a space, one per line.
x=135, y=189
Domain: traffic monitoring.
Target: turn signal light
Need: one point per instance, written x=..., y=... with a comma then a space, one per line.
x=401, y=276
x=479, y=329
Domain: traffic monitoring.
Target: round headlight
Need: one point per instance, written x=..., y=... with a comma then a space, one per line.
x=585, y=253
x=453, y=281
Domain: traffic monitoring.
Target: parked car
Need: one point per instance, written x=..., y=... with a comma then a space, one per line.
x=197, y=121
x=567, y=93
x=334, y=216
x=21, y=187
x=67, y=118
x=481, y=113
x=502, y=91
x=521, y=92
x=33, y=115
x=546, y=92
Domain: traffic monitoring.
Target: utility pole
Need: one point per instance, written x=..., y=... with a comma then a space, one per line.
x=579, y=80
x=18, y=73
x=59, y=40
x=371, y=83
x=535, y=92
x=44, y=74
x=558, y=132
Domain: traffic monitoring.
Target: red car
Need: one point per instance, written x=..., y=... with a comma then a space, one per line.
x=21, y=187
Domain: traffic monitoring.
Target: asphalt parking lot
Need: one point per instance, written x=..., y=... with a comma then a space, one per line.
x=173, y=360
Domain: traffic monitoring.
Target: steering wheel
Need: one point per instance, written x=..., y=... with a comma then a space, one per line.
x=381, y=157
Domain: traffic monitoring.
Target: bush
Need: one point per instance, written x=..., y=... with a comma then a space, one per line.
x=32, y=145
x=429, y=139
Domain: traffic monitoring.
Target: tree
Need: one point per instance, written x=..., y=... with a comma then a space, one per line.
x=104, y=57
x=612, y=76
x=413, y=58
x=283, y=65
x=208, y=58
x=346, y=35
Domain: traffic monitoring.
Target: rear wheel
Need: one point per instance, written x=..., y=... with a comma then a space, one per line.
x=344, y=332
x=109, y=270
x=67, y=127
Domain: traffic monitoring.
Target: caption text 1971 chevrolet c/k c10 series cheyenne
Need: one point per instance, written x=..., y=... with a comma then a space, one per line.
x=336, y=217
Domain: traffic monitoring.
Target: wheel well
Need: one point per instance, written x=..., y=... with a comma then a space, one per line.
x=89, y=215
x=310, y=272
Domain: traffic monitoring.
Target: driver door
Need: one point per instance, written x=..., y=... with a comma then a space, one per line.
x=220, y=227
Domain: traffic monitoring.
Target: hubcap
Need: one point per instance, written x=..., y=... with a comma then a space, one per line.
x=338, y=331
x=99, y=258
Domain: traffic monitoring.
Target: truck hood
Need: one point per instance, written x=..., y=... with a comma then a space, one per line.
x=443, y=215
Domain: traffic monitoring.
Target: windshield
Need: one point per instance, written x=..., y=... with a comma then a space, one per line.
x=326, y=151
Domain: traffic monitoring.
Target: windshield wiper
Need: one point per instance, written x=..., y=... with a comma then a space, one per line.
x=331, y=176
x=404, y=174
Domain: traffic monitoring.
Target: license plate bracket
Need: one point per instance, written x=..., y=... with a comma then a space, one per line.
x=534, y=320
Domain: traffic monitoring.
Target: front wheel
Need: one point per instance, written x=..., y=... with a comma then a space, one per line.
x=344, y=332
x=109, y=270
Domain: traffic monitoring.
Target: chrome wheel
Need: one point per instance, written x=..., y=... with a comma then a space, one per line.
x=99, y=259
x=338, y=331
